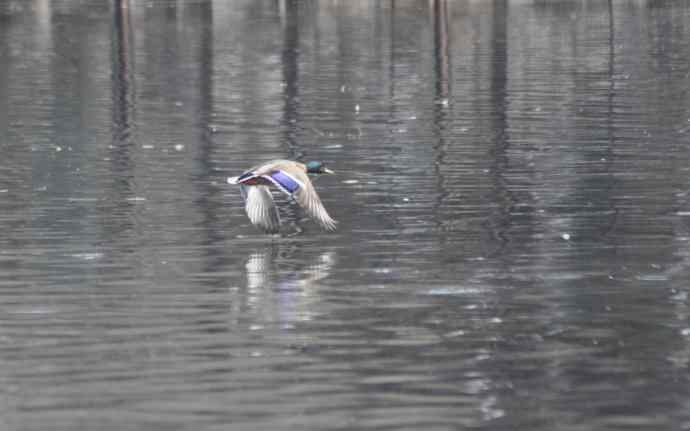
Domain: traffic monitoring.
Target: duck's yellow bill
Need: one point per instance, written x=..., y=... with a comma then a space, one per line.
x=328, y=171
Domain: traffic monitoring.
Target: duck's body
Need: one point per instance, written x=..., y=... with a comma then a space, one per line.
x=292, y=178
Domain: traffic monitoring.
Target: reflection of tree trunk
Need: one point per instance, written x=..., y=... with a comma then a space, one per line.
x=391, y=65
x=206, y=72
x=16, y=176
x=499, y=72
x=609, y=116
x=4, y=76
x=205, y=83
x=122, y=107
x=122, y=98
x=611, y=71
x=441, y=54
x=290, y=64
x=442, y=76
x=205, y=62
x=499, y=84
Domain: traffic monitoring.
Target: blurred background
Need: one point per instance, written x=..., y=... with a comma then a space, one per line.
x=512, y=197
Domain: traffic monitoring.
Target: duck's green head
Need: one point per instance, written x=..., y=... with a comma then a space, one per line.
x=318, y=168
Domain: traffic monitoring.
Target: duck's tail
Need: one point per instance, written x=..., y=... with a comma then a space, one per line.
x=242, y=179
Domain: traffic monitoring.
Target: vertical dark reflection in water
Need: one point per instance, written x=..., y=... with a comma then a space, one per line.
x=291, y=117
x=208, y=194
x=442, y=67
x=15, y=181
x=122, y=82
x=118, y=208
x=8, y=175
x=290, y=67
x=610, y=151
x=391, y=62
x=501, y=219
x=209, y=198
x=123, y=109
x=69, y=74
x=441, y=50
x=5, y=55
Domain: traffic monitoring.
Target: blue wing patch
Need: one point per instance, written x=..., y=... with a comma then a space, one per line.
x=285, y=181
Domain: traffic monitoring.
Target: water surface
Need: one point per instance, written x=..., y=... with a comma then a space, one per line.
x=512, y=251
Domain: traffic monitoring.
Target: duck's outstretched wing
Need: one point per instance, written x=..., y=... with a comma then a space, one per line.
x=260, y=208
x=298, y=185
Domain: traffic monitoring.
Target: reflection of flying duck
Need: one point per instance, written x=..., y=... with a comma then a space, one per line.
x=263, y=267
x=292, y=178
x=282, y=285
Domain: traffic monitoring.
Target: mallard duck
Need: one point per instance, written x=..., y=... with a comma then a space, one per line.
x=292, y=178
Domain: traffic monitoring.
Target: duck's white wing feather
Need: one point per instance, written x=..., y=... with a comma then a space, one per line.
x=308, y=199
x=260, y=208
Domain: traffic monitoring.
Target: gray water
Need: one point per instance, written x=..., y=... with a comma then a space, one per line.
x=512, y=195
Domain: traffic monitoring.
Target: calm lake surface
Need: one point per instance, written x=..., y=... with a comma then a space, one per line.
x=513, y=250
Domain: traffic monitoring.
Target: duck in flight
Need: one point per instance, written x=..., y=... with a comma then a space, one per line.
x=292, y=178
